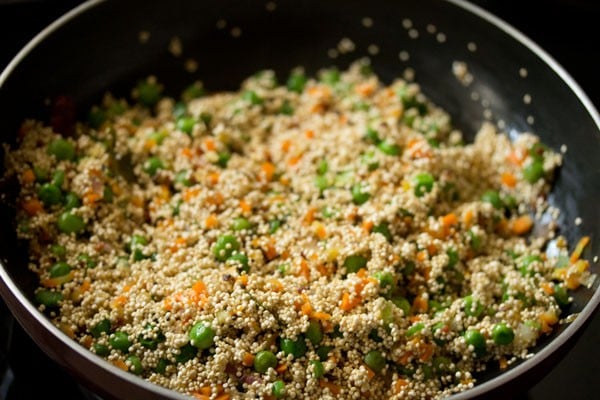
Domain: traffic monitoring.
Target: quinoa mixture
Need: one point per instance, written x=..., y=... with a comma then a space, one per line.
x=328, y=237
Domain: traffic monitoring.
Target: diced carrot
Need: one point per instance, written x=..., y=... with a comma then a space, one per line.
x=365, y=89
x=292, y=161
x=209, y=144
x=90, y=198
x=320, y=231
x=118, y=301
x=224, y=396
x=547, y=288
x=370, y=373
x=321, y=316
x=304, y=269
x=579, y=248
x=286, y=145
x=187, y=152
x=281, y=368
x=211, y=221
x=432, y=249
x=28, y=176
x=449, y=220
x=309, y=217
x=508, y=179
x=422, y=255
x=200, y=396
x=268, y=170
x=205, y=390
x=216, y=199
x=349, y=303
x=243, y=279
x=404, y=359
x=190, y=193
x=309, y=134
x=245, y=207
x=199, y=288
x=276, y=285
x=367, y=226
x=399, y=385
x=522, y=225
x=306, y=309
x=516, y=157
x=270, y=252
x=248, y=359
x=426, y=351
x=420, y=304
x=332, y=387
x=120, y=364
x=32, y=206
x=548, y=319
x=468, y=217
x=167, y=304
x=137, y=201
x=502, y=363
x=213, y=178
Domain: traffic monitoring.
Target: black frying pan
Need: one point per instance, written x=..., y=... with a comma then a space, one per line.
x=71, y=59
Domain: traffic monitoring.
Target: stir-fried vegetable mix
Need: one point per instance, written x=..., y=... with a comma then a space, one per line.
x=328, y=237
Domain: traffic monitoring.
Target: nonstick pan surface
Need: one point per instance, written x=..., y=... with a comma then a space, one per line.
x=72, y=59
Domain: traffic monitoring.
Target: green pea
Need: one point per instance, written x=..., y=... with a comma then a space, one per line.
x=151, y=338
x=137, y=241
x=183, y=178
x=70, y=223
x=179, y=110
x=296, y=82
x=414, y=329
x=202, y=335
x=59, y=269
x=537, y=151
x=50, y=194
x=87, y=260
x=375, y=360
x=286, y=108
x=474, y=241
x=58, y=178
x=322, y=167
x=241, y=224
x=58, y=251
x=502, y=334
x=330, y=76
x=120, y=341
x=41, y=175
x=48, y=297
x=278, y=389
x=223, y=158
x=526, y=262
x=322, y=182
x=148, y=92
x=323, y=352
x=225, y=246
x=185, y=124
x=186, y=353
x=355, y=263
x=442, y=365
x=194, y=91
x=474, y=338
x=62, y=149
x=117, y=107
x=135, y=364
x=101, y=349
x=402, y=304
x=71, y=201
x=386, y=279
x=391, y=149
x=374, y=336
x=492, y=197
x=423, y=183
x=435, y=306
x=107, y=194
x=100, y=328
x=297, y=347
x=206, y=118
x=370, y=160
x=473, y=308
x=452, y=258
x=162, y=364
x=274, y=225
x=372, y=136
x=534, y=171
x=251, y=97
x=241, y=260
x=264, y=360
x=359, y=195
x=152, y=165
x=561, y=295
x=383, y=229
x=314, y=333
x=387, y=314
x=317, y=368
x=96, y=117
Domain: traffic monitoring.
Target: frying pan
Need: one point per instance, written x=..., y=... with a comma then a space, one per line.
x=71, y=59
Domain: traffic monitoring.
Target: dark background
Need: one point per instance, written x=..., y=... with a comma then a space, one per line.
x=568, y=30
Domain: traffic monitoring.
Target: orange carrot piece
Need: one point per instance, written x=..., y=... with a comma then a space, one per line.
x=370, y=373
x=306, y=309
x=186, y=152
x=367, y=226
x=304, y=269
x=294, y=160
x=268, y=170
x=281, y=368
x=420, y=304
x=309, y=217
x=211, y=221
x=248, y=359
x=309, y=134
x=449, y=220
x=245, y=207
x=213, y=178
x=332, y=387
x=321, y=316
x=508, y=179
x=522, y=225
x=28, y=176
x=224, y=396
x=584, y=241
x=209, y=144
x=120, y=364
x=32, y=206
x=286, y=145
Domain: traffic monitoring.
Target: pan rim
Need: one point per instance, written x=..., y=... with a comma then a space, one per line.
x=478, y=390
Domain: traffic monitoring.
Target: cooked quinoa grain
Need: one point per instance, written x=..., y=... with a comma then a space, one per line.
x=326, y=238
